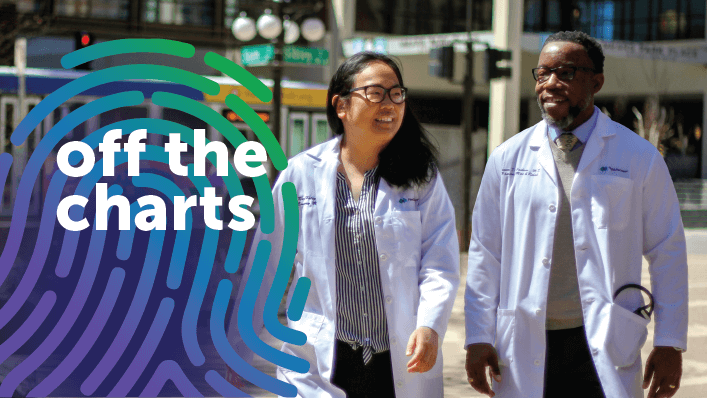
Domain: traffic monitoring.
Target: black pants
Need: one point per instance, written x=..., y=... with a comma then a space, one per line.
x=569, y=368
x=362, y=381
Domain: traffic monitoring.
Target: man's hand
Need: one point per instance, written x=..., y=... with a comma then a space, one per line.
x=664, y=366
x=478, y=357
x=423, y=345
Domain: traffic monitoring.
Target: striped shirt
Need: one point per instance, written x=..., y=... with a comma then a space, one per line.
x=360, y=314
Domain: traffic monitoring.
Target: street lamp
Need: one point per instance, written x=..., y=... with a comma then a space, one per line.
x=279, y=27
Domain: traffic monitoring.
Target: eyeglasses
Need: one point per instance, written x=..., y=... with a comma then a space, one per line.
x=564, y=73
x=377, y=94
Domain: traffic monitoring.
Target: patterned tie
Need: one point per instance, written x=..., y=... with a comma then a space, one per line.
x=566, y=141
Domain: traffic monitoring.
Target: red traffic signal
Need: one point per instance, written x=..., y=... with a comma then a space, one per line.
x=83, y=40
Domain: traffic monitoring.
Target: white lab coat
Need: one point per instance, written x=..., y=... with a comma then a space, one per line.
x=623, y=206
x=418, y=254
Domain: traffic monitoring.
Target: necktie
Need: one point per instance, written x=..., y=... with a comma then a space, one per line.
x=566, y=141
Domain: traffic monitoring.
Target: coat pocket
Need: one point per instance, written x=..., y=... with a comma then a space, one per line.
x=626, y=335
x=406, y=236
x=309, y=324
x=505, y=330
x=611, y=201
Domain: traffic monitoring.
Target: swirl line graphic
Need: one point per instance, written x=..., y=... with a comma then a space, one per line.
x=147, y=348
x=104, y=336
x=34, y=360
x=170, y=370
x=88, y=338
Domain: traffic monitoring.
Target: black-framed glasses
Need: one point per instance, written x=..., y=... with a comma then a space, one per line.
x=564, y=73
x=377, y=94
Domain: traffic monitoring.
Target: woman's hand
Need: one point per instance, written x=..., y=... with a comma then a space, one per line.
x=423, y=345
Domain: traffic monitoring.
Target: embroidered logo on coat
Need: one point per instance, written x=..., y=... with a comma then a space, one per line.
x=404, y=200
x=604, y=169
x=307, y=200
x=517, y=171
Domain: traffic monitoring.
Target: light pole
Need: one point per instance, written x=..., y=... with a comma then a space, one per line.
x=277, y=24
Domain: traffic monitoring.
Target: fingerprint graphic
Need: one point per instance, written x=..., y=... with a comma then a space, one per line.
x=123, y=311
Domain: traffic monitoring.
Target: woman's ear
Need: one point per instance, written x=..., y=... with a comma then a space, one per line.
x=339, y=104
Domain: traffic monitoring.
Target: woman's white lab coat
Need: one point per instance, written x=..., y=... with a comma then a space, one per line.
x=418, y=255
x=623, y=206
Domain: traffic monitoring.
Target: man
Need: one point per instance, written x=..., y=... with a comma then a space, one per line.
x=565, y=210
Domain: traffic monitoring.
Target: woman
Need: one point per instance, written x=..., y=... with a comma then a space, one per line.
x=378, y=241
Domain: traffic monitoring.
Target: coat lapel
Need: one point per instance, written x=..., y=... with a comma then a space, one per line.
x=325, y=180
x=539, y=141
x=596, y=141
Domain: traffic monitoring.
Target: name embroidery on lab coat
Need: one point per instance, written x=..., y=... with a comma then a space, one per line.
x=517, y=171
x=307, y=200
x=604, y=169
x=404, y=200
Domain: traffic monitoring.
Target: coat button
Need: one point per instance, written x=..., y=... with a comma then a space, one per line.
x=393, y=340
x=538, y=311
x=384, y=257
x=378, y=220
x=399, y=384
x=552, y=208
x=537, y=362
x=590, y=300
x=546, y=261
x=595, y=351
x=388, y=299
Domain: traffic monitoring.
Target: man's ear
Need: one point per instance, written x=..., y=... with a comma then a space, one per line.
x=338, y=103
x=598, y=81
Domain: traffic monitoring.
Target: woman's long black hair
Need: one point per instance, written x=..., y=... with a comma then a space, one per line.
x=410, y=158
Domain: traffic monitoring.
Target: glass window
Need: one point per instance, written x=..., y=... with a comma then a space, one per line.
x=229, y=12
x=180, y=12
x=107, y=9
x=417, y=17
x=322, y=131
x=636, y=20
x=296, y=137
x=28, y=6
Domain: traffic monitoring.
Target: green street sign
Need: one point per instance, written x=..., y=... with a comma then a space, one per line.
x=306, y=55
x=257, y=55
x=264, y=53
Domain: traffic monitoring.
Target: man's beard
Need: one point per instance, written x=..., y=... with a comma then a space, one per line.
x=566, y=121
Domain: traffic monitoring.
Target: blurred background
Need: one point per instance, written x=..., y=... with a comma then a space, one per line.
x=467, y=65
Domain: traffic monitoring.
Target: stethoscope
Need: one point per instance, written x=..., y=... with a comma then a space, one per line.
x=647, y=310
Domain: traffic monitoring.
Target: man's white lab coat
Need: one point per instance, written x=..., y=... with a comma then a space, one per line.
x=418, y=254
x=623, y=206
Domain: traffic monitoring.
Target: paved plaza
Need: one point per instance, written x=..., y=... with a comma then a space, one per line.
x=694, y=382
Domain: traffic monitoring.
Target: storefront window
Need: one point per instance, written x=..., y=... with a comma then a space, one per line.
x=417, y=17
x=631, y=20
x=180, y=12
x=107, y=9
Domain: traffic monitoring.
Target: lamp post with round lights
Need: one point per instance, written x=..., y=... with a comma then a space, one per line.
x=277, y=23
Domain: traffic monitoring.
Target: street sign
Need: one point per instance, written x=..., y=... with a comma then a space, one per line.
x=257, y=55
x=306, y=55
x=263, y=54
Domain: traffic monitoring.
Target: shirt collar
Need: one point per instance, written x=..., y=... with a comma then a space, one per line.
x=582, y=132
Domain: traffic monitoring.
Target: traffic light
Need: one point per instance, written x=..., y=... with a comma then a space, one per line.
x=491, y=69
x=441, y=62
x=83, y=40
x=233, y=117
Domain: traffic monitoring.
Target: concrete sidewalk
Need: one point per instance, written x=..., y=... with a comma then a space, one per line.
x=694, y=382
